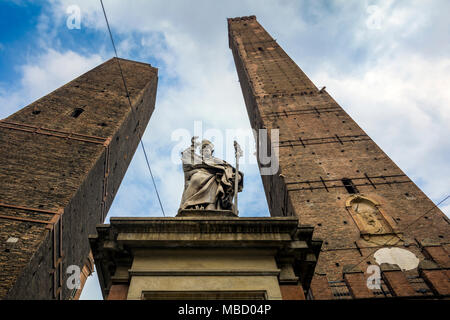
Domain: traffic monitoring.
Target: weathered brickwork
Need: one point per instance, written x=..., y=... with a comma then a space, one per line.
x=320, y=288
x=357, y=285
x=438, y=280
x=328, y=165
x=292, y=292
x=62, y=161
x=397, y=282
x=118, y=292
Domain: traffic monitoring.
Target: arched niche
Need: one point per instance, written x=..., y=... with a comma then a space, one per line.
x=369, y=216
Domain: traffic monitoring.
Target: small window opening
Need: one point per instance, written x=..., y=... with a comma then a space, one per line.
x=76, y=112
x=349, y=186
x=36, y=111
x=260, y=49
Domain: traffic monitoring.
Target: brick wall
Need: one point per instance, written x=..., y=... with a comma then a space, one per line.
x=62, y=161
x=320, y=145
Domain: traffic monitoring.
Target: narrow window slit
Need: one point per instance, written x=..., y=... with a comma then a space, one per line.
x=349, y=186
x=76, y=112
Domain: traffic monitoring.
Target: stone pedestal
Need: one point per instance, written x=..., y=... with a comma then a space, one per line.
x=206, y=213
x=205, y=255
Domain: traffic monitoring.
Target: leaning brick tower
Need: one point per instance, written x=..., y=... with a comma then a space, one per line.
x=62, y=160
x=333, y=176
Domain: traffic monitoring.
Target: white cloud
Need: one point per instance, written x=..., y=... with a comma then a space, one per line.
x=402, y=102
x=55, y=69
x=43, y=74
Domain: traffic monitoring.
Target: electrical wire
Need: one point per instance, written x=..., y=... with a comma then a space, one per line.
x=132, y=109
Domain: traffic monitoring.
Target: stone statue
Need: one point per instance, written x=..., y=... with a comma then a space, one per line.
x=208, y=181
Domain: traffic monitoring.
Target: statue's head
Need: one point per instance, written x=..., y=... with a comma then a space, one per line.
x=207, y=149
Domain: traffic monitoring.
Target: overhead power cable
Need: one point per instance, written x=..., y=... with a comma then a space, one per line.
x=132, y=109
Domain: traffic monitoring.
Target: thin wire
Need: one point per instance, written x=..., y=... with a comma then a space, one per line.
x=132, y=109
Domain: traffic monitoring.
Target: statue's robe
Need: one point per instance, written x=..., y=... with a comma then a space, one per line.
x=208, y=183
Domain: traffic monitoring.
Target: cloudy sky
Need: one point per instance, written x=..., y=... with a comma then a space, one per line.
x=387, y=64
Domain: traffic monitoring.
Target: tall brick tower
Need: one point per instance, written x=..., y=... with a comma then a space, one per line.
x=62, y=160
x=334, y=177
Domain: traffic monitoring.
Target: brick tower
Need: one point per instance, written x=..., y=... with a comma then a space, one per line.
x=62, y=160
x=334, y=177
